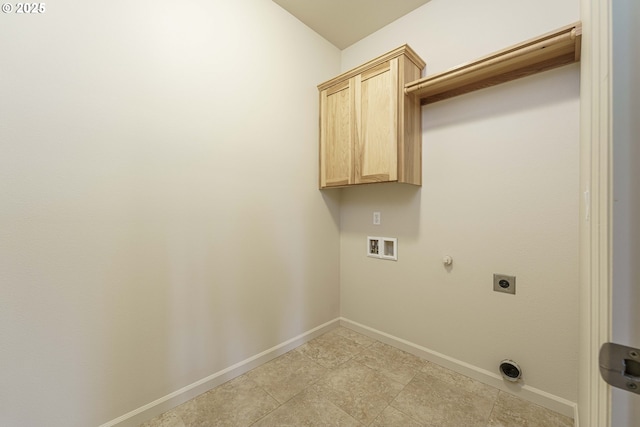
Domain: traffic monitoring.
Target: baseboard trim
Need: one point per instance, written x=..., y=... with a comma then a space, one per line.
x=532, y=394
x=163, y=404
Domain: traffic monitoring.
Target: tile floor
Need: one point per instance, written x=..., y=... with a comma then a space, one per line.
x=344, y=378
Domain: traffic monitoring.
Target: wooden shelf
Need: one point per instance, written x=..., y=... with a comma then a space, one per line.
x=551, y=50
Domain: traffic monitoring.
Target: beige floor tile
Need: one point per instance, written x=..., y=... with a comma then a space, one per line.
x=357, y=337
x=239, y=402
x=308, y=409
x=396, y=364
x=168, y=419
x=437, y=403
x=358, y=390
x=287, y=375
x=460, y=381
x=391, y=417
x=511, y=411
x=397, y=354
x=344, y=378
x=333, y=348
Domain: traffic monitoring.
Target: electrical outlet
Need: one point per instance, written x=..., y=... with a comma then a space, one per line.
x=376, y=218
x=504, y=283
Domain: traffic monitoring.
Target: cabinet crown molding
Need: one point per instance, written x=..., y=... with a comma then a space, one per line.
x=404, y=50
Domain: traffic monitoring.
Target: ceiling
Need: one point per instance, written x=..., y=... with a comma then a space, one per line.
x=344, y=22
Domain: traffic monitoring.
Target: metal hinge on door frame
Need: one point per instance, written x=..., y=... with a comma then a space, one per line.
x=620, y=366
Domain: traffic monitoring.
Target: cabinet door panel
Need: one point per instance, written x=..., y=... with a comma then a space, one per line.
x=337, y=136
x=376, y=157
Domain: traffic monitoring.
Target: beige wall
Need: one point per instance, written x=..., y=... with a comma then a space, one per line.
x=500, y=194
x=160, y=219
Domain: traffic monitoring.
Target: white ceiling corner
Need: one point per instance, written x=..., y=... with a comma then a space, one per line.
x=344, y=22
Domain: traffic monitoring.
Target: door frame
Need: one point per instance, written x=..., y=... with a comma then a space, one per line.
x=596, y=180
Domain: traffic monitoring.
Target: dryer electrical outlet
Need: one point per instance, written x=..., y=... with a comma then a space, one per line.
x=504, y=283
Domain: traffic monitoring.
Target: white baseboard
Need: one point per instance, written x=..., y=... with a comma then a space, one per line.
x=532, y=394
x=159, y=406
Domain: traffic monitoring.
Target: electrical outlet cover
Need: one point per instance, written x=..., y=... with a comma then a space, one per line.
x=376, y=218
x=504, y=283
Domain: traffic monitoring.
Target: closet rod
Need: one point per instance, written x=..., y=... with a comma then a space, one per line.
x=548, y=51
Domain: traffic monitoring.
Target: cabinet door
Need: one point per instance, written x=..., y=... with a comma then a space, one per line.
x=376, y=157
x=337, y=135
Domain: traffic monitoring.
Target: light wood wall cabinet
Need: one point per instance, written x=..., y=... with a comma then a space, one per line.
x=370, y=130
